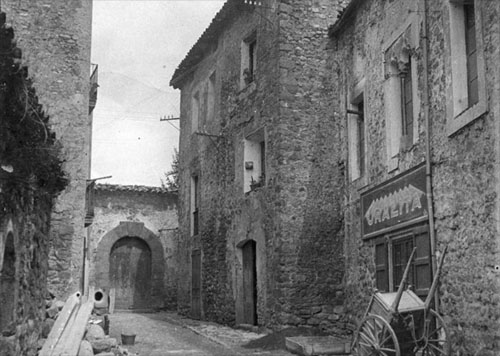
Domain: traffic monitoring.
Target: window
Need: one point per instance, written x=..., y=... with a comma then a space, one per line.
x=254, y=161
x=248, y=60
x=211, y=98
x=401, y=99
x=391, y=256
x=195, y=192
x=468, y=99
x=356, y=128
x=195, y=112
x=407, y=104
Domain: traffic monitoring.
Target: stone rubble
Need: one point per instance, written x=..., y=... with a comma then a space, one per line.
x=95, y=341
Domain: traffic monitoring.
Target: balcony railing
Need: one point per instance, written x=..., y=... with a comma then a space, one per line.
x=93, y=87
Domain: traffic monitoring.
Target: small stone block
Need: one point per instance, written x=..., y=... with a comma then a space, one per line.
x=317, y=345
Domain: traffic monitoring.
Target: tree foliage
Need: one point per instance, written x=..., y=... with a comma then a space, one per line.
x=171, y=182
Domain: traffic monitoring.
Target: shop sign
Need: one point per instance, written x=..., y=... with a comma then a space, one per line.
x=400, y=200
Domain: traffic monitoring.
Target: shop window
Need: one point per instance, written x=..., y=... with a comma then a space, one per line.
x=357, y=135
x=195, y=211
x=468, y=89
x=254, y=161
x=391, y=256
x=248, y=60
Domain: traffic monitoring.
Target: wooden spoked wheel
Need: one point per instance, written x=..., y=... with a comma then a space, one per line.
x=437, y=338
x=375, y=337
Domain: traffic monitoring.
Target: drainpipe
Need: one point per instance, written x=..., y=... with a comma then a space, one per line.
x=428, y=157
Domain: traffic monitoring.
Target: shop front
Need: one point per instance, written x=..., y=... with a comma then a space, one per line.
x=395, y=220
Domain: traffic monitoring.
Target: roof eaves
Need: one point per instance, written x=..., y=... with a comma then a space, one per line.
x=211, y=33
x=344, y=17
x=131, y=188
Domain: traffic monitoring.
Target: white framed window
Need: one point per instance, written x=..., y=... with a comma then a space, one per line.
x=254, y=175
x=402, y=102
x=357, y=133
x=466, y=52
x=248, y=60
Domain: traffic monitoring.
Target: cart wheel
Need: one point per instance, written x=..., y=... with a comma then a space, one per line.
x=375, y=336
x=438, y=343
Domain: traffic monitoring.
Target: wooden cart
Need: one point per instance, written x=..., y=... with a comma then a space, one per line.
x=401, y=324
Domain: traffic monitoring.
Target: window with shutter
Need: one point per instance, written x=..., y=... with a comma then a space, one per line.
x=391, y=256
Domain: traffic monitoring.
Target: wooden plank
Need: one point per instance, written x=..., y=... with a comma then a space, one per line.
x=74, y=336
x=111, y=308
x=59, y=348
x=60, y=324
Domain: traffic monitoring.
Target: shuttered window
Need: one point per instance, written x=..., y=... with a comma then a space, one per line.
x=391, y=256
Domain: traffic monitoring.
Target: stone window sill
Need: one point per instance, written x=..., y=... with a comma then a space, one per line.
x=466, y=117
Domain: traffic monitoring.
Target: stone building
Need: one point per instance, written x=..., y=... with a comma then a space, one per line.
x=132, y=246
x=55, y=38
x=418, y=97
x=311, y=166
x=260, y=195
x=45, y=137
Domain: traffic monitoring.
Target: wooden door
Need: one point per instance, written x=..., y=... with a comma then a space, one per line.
x=130, y=273
x=196, y=284
x=249, y=283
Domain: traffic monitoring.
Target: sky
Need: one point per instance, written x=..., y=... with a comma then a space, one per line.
x=137, y=45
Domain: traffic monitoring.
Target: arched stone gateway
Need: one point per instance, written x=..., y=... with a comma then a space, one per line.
x=130, y=259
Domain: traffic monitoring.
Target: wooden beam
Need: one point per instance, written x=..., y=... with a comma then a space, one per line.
x=61, y=323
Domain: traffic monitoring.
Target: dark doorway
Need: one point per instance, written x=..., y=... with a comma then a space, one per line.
x=249, y=283
x=196, y=284
x=7, y=283
x=130, y=273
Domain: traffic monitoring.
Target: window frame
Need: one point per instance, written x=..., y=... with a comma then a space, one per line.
x=421, y=260
x=357, y=167
x=249, y=48
x=195, y=205
x=254, y=160
x=397, y=54
x=459, y=112
x=195, y=111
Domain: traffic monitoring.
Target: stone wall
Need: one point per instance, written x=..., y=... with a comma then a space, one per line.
x=30, y=179
x=55, y=39
x=310, y=173
x=295, y=217
x=154, y=214
x=464, y=165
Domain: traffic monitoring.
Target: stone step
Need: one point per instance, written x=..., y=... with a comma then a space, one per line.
x=318, y=345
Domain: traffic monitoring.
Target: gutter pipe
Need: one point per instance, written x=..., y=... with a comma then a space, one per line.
x=428, y=157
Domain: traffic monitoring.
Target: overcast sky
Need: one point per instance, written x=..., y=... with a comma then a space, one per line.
x=137, y=45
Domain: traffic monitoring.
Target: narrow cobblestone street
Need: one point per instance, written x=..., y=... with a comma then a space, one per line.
x=165, y=333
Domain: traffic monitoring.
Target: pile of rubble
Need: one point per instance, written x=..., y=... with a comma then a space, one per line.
x=95, y=340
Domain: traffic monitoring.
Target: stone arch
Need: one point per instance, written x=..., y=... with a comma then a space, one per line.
x=137, y=230
x=7, y=277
